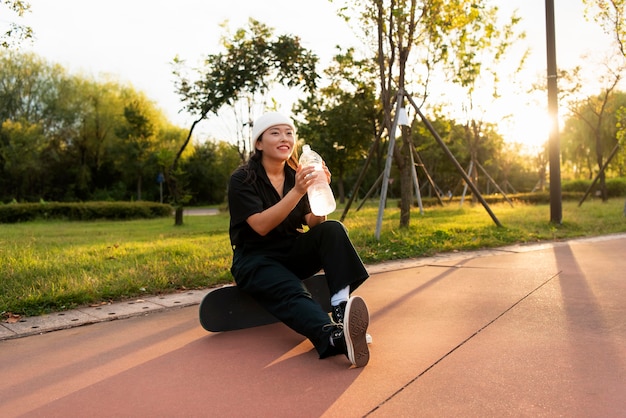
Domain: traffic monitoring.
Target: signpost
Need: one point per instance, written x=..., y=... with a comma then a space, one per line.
x=161, y=180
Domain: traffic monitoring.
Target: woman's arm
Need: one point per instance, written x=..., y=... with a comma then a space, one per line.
x=270, y=218
x=263, y=222
x=312, y=220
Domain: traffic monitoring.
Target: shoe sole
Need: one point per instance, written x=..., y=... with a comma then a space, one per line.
x=355, y=326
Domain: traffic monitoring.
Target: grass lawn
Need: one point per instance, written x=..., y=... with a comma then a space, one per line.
x=50, y=266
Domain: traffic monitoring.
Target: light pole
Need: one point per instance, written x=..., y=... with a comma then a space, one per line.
x=554, y=149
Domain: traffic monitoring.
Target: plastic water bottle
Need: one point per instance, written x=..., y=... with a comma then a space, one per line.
x=320, y=194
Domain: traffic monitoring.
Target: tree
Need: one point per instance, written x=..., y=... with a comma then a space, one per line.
x=443, y=173
x=588, y=136
x=59, y=134
x=341, y=120
x=252, y=62
x=12, y=34
x=482, y=46
x=412, y=40
x=24, y=143
x=27, y=83
x=504, y=163
x=611, y=15
x=208, y=169
x=592, y=131
x=138, y=133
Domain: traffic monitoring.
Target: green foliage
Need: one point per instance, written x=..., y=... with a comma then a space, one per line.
x=507, y=166
x=616, y=187
x=138, y=134
x=251, y=62
x=341, y=121
x=52, y=266
x=14, y=33
x=207, y=171
x=24, y=212
x=580, y=186
x=610, y=15
x=66, y=138
x=460, y=38
x=535, y=198
x=592, y=131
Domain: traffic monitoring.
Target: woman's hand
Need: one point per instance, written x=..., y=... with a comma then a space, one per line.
x=305, y=176
x=326, y=171
x=309, y=175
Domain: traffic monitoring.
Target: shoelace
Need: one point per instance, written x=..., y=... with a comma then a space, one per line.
x=332, y=325
x=336, y=330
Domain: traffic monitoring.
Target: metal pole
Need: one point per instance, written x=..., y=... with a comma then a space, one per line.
x=416, y=183
x=427, y=174
x=386, y=173
x=469, y=173
x=554, y=149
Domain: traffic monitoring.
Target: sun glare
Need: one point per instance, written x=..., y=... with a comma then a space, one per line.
x=527, y=126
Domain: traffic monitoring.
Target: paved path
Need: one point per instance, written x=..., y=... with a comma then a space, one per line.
x=520, y=331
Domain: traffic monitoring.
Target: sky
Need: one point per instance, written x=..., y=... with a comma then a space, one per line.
x=135, y=41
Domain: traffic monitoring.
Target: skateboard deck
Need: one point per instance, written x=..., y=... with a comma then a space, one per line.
x=227, y=308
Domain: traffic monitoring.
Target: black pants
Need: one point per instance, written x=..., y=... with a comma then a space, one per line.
x=273, y=276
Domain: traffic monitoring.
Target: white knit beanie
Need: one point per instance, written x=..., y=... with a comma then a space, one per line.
x=267, y=121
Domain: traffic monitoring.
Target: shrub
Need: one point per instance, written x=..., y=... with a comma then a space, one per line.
x=23, y=212
x=616, y=187
x=536, y=198
x=579, y=186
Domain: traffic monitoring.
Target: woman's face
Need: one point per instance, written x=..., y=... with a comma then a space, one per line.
x=277, y=142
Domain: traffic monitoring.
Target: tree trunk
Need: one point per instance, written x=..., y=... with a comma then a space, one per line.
x=603, y=191
x=139, y=188
x=406, y=180
x=172, y=182
x=178, y=216
x=341, y=189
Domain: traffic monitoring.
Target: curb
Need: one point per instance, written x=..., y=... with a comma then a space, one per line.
x=101, y=313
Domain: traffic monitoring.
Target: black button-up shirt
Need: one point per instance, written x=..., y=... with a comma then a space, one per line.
x=250, y=191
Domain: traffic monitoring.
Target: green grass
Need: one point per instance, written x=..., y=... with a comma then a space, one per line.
x=50, y=266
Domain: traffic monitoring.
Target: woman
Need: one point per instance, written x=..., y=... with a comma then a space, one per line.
x=272, y=255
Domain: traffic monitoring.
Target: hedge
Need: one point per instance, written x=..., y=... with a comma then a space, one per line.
x=536, y=198
x=87, y=211
x=570, y=190
x=616, y=187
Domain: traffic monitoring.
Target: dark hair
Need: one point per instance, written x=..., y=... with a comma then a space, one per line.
x=250, y=166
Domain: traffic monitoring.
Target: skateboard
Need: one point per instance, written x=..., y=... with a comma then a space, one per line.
x=227, y=308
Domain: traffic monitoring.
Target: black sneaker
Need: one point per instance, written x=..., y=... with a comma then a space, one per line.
x=338, y=312
x=355, y=325
x=337, y=341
